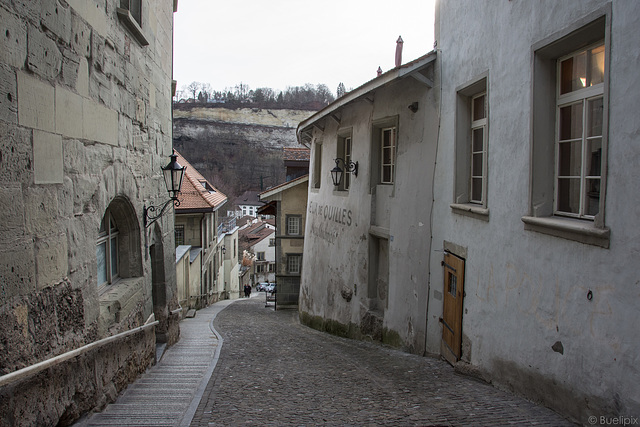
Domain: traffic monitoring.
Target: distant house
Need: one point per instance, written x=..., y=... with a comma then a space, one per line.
x=248, y=203
x=288, y=202
x=296, y=162
x=257, y=242
x=197, y=226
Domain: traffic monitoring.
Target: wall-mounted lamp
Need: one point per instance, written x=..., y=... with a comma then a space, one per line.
x=337, y=172
x=173, y=174
x=224, y=250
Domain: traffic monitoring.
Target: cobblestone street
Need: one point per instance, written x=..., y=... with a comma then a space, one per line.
x=274, y=371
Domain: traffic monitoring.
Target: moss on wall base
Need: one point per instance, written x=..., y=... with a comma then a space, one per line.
x=351, y=330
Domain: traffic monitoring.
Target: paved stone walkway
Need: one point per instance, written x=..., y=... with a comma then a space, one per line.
x=169, y=392
x=274, y=371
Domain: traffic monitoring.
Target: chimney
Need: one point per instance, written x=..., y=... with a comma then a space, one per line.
x=379, y=71
x=399, y=43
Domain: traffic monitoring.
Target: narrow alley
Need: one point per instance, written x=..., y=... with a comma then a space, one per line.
x=274, y=371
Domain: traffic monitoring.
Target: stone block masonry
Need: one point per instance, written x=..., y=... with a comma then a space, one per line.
x=75, y=87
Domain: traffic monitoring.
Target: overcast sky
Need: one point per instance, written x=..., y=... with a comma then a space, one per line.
x=280, y=43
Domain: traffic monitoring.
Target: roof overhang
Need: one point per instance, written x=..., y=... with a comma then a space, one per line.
x=282, y=187
x=269, y=209
x=416, y=69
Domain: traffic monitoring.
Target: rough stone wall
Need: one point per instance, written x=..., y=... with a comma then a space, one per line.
x=37, y=326
x=91, y=381
x=85, y=125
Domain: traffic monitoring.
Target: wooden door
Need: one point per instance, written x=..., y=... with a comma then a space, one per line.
x=451, y=344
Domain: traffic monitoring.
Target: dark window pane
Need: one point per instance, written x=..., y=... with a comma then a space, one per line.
x=476, y=166
x=476, y=189
x=566, y=74
x=594, y=157
x=478, y=139
x=386, y=138
x=594, y=117
x=569, y=195
x=478, y=108
x=569, y=158
x=571, y=122
x=136, y=10
x=592, y=197
x=386, y=174
x=386, y=155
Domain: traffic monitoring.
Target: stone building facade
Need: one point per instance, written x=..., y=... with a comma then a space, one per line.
x=85, y=126
x=493, y=214
x=287, y=202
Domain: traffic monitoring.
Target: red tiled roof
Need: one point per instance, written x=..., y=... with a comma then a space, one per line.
x=297, y=154
x=254, y=234
x=194, y=194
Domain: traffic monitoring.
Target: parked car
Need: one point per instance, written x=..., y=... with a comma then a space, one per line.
x=261, y=286
x=270, y=287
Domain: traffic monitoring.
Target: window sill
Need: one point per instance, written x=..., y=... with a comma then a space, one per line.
x=127, y=19
x=341, y=193
x=119, y=300
x=570, y=229
x=471, y=210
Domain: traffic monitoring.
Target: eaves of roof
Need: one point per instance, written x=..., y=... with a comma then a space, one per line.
x=284, y=186
x=412, y=69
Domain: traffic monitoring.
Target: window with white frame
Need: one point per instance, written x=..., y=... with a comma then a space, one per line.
x=272, y=267
x=471, y=148
x=344, y=152
x=272, y=242
x=478, y=148
x=384, y=147
x=260, y=256
x=294, y=223
x=107, y=250
x=388, y=155
x=294, y=263
x=579, y=112
x=569, y=132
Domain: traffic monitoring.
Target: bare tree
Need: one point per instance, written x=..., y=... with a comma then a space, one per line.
x=192, y=88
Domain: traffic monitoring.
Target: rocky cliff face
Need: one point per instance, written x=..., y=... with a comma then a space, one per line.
x=236, y=149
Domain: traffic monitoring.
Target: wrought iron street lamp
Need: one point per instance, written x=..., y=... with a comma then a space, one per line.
x=337, y=172
x=173, y=174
